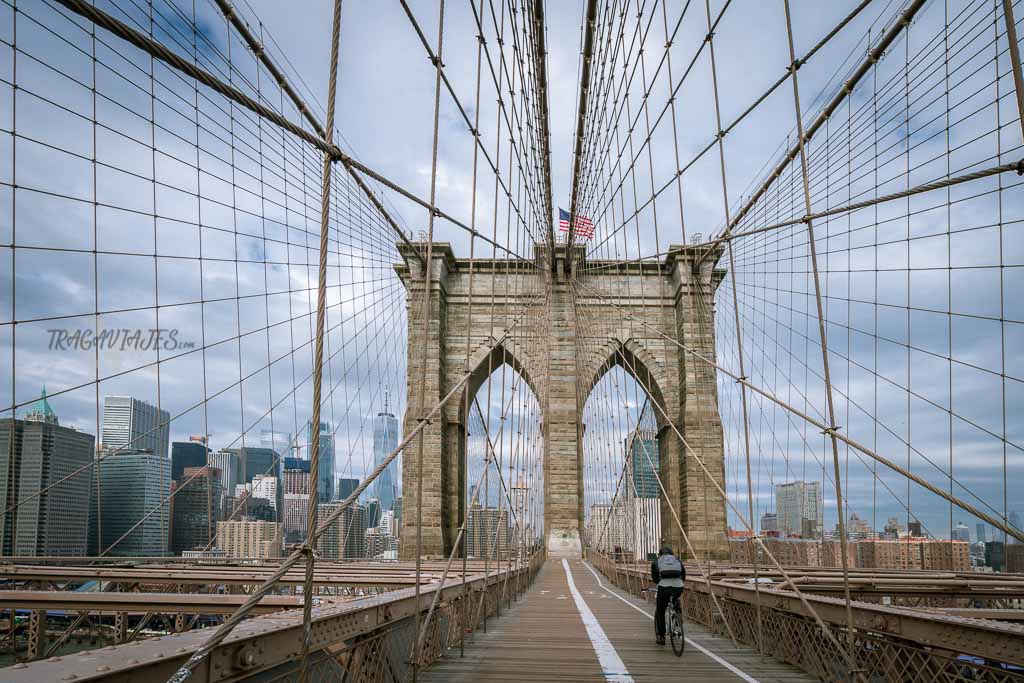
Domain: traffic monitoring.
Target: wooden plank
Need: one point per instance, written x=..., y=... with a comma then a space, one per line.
x=543, y=638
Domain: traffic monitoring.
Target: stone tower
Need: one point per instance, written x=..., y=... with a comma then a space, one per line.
x=641, y=308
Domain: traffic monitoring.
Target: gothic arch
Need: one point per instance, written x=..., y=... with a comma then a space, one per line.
x=637, y=362
x=487, y=361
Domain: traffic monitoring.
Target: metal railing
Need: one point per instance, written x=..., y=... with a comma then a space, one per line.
x=891, y=643
x=367, y=639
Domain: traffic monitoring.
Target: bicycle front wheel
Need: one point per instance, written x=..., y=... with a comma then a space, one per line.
x=675, y=631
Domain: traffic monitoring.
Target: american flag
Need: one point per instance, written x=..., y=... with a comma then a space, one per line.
x=584, y=226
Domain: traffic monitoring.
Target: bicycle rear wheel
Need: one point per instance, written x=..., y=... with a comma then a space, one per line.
x=675, y=632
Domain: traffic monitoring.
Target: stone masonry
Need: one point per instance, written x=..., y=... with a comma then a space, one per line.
x=624, y=308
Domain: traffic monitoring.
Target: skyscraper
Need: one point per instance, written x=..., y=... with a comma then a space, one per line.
x=373, y=512
x=255, y=460
x=325, y=466
x=796, y=503
x=266, y=487
x=385, y=440
x=132, y=485
x=296, y=464
x=345, y=537
x=296, y=509
x=980, y=529
x=279, y=442
x=187, y=454
x=643, y=463
x=961, y=533
x=346, y=487
x=230, y=465
x=196, y=509
x=296, y=481
x=37, y=459
x=250, y=538
x=487, y=532
x=129, y=423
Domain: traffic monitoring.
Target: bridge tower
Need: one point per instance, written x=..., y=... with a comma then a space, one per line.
x=652, y=305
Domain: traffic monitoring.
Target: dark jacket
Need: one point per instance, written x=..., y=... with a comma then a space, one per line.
x=656, y=577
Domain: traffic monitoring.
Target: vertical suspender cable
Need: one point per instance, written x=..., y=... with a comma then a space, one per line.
x=427, y=272
x=739, y=330
x=318, y=359
x=831, y=429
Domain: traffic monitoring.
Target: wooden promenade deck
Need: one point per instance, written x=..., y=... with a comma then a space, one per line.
x=545, y=637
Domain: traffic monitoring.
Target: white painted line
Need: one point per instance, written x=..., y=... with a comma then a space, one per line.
x=611, y=663
x=641, y=610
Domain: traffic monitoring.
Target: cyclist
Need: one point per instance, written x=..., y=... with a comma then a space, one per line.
x=668, y=573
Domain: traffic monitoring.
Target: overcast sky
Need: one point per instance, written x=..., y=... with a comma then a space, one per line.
x=956, y=351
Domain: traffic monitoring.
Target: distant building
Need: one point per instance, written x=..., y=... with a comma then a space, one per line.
x=195, y=509
x=133, y=487
x=230, y=508
x=385, y=440
x=250, y=539
x=387, y=524
x=893, y=529
x=397, y=507
x=230, y=465
x=279, y=442
x=255, y=461
x=1014, y=520
x=300, y=464
x=645, y=534
x=798, y=501
x=769, y=523
x=980, y=532
x=913, y=553
x=211, y=554
x=858, y=529
x=252, y=508
x=296, y=480
x=995, y=555
x=296, y=510
x=37, y=453
x=265, y=486
x=607, y=527
x=325, y=464
x=1014, y=557
x=187, y=454
x=373, y=512
x=346, y=487
x=914, y=530
x=380, y=546
x=961, y=533
x=129, y=423
x=345, y=537
x=642, y=464
x=905, y=553
x=487, y=532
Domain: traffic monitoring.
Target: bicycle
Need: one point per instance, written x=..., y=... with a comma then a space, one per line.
x=674, y=626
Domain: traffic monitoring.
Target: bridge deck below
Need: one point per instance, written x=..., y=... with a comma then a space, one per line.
x=547, y=637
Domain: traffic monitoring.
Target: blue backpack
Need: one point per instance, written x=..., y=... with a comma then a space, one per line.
x=669, y=567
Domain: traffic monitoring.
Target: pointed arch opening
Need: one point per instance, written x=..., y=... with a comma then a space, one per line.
x=502, y=458
x=623, y=471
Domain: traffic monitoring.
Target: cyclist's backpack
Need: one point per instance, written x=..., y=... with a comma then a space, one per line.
x=669, y=567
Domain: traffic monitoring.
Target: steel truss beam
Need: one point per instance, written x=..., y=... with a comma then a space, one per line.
x=257, y=644
x=136, y=603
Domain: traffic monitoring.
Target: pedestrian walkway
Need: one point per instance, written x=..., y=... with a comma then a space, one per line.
x=573, y=626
